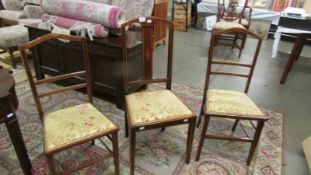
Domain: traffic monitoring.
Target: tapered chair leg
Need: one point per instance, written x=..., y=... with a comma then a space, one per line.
x=234, y=40
x=242, y=44
x=116, y=153
x=202, y=137
x=257, y=134
x=191, y=129
x=11, y=52
x=51, y=164
x=200, y=116
x=132, y=151
x=126, y=123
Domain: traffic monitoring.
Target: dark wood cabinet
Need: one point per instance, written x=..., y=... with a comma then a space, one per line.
x=53, y=58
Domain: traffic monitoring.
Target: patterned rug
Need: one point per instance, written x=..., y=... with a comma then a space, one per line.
x=158, y=153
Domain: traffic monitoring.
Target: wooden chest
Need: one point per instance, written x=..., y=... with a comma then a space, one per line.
x=182, y=16
x=106, y=60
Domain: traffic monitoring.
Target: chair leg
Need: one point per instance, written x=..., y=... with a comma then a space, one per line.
x=11, y=52
x=93, y=142
x=200, y=116
x=259, y=127
x=132, y=150
x=235, y=125
x=116, y=153
x=51, y=164
x=234, y=40
x=126, y=123
x=242, y=45
x=191, y=129
x=202, y=137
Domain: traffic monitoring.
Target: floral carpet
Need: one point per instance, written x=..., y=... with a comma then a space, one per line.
x=157, y=152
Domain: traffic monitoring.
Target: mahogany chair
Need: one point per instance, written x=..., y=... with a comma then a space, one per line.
x=74, y=125
x=231, y=15
x=231, y=104
x=158, y=108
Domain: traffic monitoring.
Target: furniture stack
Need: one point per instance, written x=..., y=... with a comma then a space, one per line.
x=16, y=14
x=182, y=15
x=160, y=10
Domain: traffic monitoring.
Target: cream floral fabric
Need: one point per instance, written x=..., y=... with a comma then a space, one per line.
x=13, y=36
x=36, y=2
x=226, y=25
x=307, y=150
x=73, y=124
x=14, y=5
x=244, y=22
x=12, y=15
x=33, y=11
x=28, y=21
x=155, y=107
x=231, y=103
x=135, y=9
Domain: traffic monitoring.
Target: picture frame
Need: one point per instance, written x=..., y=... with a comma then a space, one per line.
x=280, y=5
x=262, y=4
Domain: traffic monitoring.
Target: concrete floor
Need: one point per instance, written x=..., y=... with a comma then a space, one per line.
x=293, y=99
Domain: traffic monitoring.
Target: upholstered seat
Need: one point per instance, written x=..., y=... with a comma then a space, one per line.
x=145, y=108
x=29, y=21
x=307, y=150
x=244, y=22
x=74, y=124
x=12, y=15
x=231, y=103
x=13, y=36
x=226, y=25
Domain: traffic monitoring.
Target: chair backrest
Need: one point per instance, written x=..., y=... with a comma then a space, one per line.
x=146, y=26
x=212, y=61
x=83, y=75
x=228, y=10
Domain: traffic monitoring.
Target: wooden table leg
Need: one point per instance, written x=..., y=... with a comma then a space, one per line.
x=18, y=143
x=299, y=43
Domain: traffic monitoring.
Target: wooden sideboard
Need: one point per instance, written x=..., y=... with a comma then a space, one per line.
x=55, y=57
x=160, y=10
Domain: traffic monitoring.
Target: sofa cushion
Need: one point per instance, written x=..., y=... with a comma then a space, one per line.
x=12, y=15
x=13, y=36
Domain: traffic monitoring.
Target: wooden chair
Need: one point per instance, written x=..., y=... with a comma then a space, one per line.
x=153, y=109
x=74, y=125
x=231, y=15
x=231, y=104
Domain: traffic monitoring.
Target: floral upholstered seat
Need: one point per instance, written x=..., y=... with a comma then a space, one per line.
x=226, y=25
x=244, y=22
x=12, y=15
x=74, y=124
x=13, y=10
x=231, y=103
x=13, y=36
x=158, y=106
